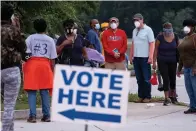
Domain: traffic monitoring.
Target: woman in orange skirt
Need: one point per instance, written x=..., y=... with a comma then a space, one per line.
x=38, y=70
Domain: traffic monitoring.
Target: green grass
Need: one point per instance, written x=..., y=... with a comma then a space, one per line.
x=134, y=98
x=156, y=99
x=22, y=101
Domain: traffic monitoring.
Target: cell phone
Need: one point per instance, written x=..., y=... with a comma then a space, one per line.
x=115, y=50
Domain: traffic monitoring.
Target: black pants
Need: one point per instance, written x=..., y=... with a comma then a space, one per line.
x=168, y=73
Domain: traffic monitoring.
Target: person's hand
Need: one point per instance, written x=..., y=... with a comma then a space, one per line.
x=67, y=42
x=194, y=71
x=178, y=74
x=150, y=60
x=154, y=66
x=85, y=57
x=116, y=55
x=131, y=61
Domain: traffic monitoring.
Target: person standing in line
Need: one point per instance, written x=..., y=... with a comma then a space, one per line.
x=187, y=51
x=13, y=49
x=93, y=35
x=104, y=27
x=71, y=45
x=165, y=54
x=38, y=70
x=115, y=46
x=141, y=55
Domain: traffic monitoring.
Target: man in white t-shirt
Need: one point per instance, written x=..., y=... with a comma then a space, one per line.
x=38, y=70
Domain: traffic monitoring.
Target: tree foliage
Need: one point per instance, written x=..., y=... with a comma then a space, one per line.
x=54, y=12
x=155, y=13
x=177, y=18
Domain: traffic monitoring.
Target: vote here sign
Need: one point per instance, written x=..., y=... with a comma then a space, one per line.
x=91, y=96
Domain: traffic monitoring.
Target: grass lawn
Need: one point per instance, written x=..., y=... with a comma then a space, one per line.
x=134, y=98
x=22, y=101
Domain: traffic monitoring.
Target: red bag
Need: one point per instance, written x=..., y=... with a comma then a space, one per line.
x=153, y=79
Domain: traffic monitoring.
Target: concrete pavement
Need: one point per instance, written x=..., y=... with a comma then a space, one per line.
x=140, y=118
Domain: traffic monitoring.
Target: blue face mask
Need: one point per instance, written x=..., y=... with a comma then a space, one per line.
x=168, y=32
x=97, y=26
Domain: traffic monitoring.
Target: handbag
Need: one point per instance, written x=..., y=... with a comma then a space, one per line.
x=153, y=79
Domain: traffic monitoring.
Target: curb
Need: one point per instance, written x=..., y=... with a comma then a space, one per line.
x=24, y=114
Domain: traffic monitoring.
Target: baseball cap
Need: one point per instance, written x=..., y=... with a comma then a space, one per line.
x=105, y=24
x=138, y=16
x=113, y=19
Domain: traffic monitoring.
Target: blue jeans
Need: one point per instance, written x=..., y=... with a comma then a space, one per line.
x=143, y=76
x=190, y=84
x=45, y=102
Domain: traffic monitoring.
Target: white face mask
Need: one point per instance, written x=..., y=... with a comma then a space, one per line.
x=113, y=25
x=186, y=30
x=70, y=31
x=97, y=26
x=75, y=31
x=137, y=24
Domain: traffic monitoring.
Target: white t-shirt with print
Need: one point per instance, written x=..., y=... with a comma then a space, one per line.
x=41, y=45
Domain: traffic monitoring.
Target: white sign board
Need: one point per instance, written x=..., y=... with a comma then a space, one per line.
x=91, y=96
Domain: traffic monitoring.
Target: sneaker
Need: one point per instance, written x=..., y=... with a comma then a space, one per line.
x=174, y=100
x=140, y=100
x=46, y=119
x=167, y=102
x=146, y=101
x=31, y=119
x=190, y=111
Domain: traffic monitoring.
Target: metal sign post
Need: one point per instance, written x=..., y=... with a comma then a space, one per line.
x=86, y=127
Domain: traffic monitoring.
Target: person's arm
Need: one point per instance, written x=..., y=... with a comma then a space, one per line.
x=180, y=65
x=91, y=37
x=98, y=44
x=194, y=65
x=151, y=45
x=84, y=53
x=62, y=45
x=53, y=54
x=105, y=45
x=131, y=51
x=157, y=43
x=123, y=49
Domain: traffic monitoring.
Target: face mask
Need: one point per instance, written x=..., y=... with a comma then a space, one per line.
x=97, y=26
x=168, y=32
x=137, y=24
x=113, y=25
x=69, y=31
x=75, y=31
x=186, y=30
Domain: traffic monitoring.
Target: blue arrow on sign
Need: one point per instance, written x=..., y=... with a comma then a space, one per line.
x=73, y=114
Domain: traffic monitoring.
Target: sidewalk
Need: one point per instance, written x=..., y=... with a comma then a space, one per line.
x=140, y=118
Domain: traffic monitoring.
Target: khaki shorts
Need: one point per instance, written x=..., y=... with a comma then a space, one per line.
x=116, y=65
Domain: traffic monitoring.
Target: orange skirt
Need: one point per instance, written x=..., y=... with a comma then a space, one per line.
x=37, y=74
